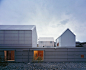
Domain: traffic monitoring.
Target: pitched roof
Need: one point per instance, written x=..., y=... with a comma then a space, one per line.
x=46, y=39
x=66, y=31
x=17, y=27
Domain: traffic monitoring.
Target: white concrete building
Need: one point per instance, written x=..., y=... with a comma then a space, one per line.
x=46, y=42
x=67, y=39
x=18, y=35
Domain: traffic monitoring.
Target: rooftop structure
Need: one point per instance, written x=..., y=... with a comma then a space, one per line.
x=46, y=42
x=67, y=39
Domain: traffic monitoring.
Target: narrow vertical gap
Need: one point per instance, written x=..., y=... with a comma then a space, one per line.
x=67, y=54
x=18, y=37
x=24, y=37
x=4, y=37
x=28, y=55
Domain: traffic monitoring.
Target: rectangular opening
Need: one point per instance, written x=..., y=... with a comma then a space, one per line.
x=58, y=44
x=38, y=55
x=9, y=55
x=82, y=56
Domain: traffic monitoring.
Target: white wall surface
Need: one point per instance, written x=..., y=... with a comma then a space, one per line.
x=46, y=43
x=58, y=40
x=34, y=38
x=67, y=39
x=16, y=37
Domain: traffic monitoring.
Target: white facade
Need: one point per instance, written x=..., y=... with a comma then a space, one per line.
x=46, y=42
x=34, y=37
x=67, y=39
x=18, y=35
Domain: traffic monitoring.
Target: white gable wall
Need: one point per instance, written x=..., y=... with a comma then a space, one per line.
x=68, y=39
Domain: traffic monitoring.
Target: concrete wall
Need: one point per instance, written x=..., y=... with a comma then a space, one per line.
x=84, y=45
x=15, y=37
x=2, y=54
x=50, y=54
x=31, y=56
x=62, y=54
x=21, y=55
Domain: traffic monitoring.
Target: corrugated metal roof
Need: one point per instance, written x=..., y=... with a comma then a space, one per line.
x=17, y=27
x=46, y=39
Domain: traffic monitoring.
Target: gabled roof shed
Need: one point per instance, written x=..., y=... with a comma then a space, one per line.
x=67, y=39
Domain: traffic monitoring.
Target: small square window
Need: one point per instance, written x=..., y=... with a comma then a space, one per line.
x=50, y=41
x=41, y=41
x=82, y=56
x=38, y=55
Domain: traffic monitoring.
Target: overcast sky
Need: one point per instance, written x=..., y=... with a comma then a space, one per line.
x=51, y=17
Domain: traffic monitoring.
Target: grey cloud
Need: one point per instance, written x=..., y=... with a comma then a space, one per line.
x=64, y=21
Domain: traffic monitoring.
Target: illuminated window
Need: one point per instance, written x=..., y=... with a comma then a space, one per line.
x=82, y=56
x=38, y=55
x=9, y=55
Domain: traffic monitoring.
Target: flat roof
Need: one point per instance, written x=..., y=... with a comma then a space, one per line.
x=46, y=39
x=17, y=27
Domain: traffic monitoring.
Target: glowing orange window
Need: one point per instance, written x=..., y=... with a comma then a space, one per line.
x=38, y=55
x=82, y=56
